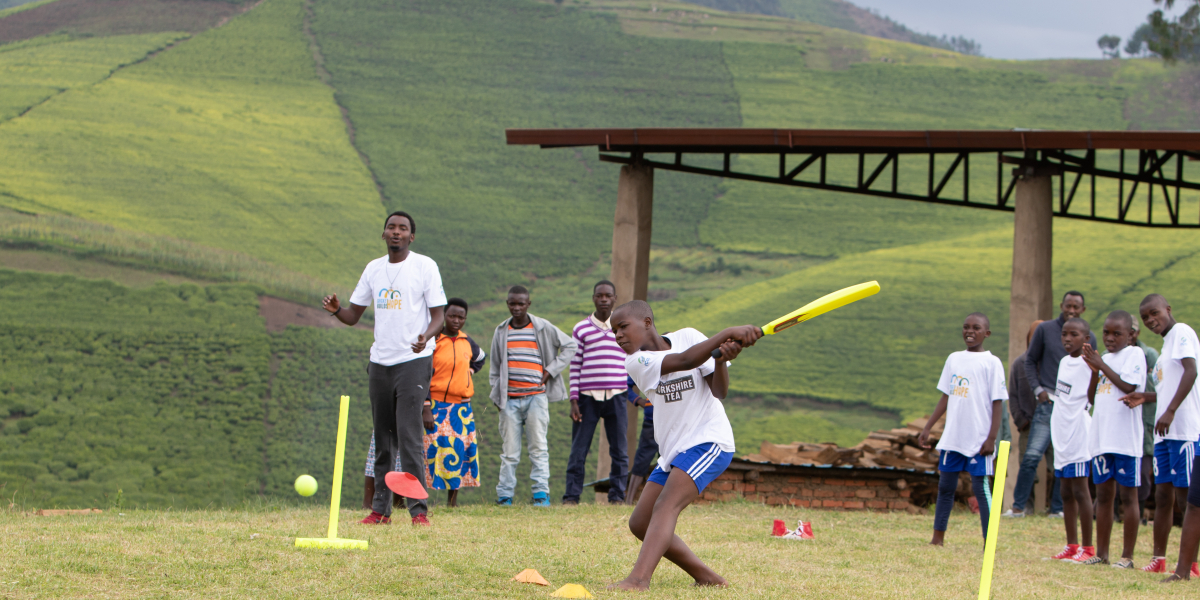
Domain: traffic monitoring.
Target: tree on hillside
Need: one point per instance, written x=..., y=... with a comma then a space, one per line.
x=1136, y=44
x=1178, y=38
x=1109, y=46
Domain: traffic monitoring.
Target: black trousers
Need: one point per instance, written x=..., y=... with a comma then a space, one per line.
x=615, y=417
x=643, y=461
x=397, y=395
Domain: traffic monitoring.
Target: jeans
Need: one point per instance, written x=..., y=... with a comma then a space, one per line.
x=397, y=394
x=1039, y=441
x=531, y=415
x=615, y=418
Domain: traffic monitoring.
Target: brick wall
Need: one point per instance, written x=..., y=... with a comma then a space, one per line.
x=810, y=487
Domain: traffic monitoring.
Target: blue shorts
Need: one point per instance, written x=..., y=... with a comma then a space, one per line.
x=1072, y=470
x=702, y=463
x=1127, y=470
x=1173, y=462
x=978, y=465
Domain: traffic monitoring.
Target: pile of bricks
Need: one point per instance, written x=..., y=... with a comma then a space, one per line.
x=836, y=488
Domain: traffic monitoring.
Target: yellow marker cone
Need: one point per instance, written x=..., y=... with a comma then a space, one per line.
x=572, y=590
x=530, y=576
x=989, y=549
x=335, y=500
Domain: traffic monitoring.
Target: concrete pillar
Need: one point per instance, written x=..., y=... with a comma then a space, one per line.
x=630, y=274
x=1032, y=281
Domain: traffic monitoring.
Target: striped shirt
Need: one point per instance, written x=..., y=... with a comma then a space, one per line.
x=599, y=363
x=524, y=362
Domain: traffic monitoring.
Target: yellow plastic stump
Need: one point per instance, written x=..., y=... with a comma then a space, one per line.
x=530, y=576
x=572, y=590
x=989, y=549
x=335, y=502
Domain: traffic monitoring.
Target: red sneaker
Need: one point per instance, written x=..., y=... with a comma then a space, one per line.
x=1195, y=569
x=1157, y=565
x=376, y=519
x=1085, y=554
x=421, y=519
x=1068, y=552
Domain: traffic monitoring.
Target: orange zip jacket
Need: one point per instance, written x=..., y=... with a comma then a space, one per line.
x=455, y=359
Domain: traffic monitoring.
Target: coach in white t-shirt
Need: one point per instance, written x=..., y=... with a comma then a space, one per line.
x=405, y=288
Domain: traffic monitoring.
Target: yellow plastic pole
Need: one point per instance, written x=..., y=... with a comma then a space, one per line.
x=335, y=503
x=989, y=549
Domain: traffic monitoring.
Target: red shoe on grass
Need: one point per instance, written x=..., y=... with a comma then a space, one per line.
x=1068, y=552
x=376, y=519
x=421, y=520
x=1195, y=569
x=1085, y=554
x=1156, y=565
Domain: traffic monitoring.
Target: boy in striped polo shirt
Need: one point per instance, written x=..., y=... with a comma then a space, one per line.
x=529, y=355
x=598, y=391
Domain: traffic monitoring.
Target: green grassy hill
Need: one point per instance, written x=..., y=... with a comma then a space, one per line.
x=224, y=154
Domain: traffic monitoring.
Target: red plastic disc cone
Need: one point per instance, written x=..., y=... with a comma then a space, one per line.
x=404, y=484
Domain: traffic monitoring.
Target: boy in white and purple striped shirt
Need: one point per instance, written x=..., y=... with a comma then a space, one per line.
x=598, y=390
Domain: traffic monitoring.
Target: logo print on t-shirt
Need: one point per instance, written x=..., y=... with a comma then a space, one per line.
x=388, y=299
x=961, y=385
x=1064, y=388
x=672, y=391
x=1104, y=386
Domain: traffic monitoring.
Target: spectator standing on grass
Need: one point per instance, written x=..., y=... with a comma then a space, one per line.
x=1147, y=469
x=406, y=290
x=1041, y=370
x=450, y=450
x=599, y=386
x=643, y=460
x=529, y=355
x=1022, y=404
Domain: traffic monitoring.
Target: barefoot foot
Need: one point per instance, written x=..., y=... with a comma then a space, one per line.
x=630, y=585
x=713, y=581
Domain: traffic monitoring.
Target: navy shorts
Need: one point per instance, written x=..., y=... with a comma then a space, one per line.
x=1127, y=470
x=1072, y=470
x=1173, y=460
x=978, y=465
x=702, y=463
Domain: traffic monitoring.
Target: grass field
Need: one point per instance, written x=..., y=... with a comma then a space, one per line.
x=474, y=552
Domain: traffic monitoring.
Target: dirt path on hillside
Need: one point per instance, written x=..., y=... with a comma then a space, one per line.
x=327, y=78
x=280, y=313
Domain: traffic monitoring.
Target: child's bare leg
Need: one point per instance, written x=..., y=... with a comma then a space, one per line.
x=1188, y=544
x=1129, y=517
x=1164, y=516
x=653, y=522
x=1070, y=510
x=1106, y=495
x=1083, y=503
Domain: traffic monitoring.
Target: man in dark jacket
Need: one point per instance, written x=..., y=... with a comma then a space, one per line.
x=1041, y=371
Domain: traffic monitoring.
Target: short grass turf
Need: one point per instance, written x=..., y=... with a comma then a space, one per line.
x=474, y=552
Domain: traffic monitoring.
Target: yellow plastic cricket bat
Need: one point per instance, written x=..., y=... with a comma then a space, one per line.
x=818, y=307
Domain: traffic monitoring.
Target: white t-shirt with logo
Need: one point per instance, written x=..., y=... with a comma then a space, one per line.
x=686, y=414
x=1179, y=343
x=1116, y=428
x=1071, y=424
x=972, y=381
x=402, y=294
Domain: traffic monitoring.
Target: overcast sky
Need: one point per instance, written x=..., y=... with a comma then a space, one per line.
x=1023, y=28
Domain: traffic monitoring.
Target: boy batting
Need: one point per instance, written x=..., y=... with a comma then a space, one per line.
x=679, y=377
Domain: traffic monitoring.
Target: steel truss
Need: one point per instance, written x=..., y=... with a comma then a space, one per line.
x=882, y=178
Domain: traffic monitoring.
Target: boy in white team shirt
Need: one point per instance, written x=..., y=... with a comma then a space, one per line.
x=678, y=376
x=1070, y=432
x=1117, y=432
x=1176, y=430
x=973, y=394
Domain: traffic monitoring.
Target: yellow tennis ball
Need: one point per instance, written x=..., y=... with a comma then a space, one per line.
x=306, y=485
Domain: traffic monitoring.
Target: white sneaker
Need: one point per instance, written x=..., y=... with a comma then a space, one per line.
x=1055, y=515
x=1012, y=515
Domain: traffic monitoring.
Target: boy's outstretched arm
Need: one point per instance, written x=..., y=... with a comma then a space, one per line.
x=695, y=356
x=1163, y=426
x=940, y=410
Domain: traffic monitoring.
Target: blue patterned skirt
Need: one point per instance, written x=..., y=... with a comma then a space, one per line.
x=450, y=449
